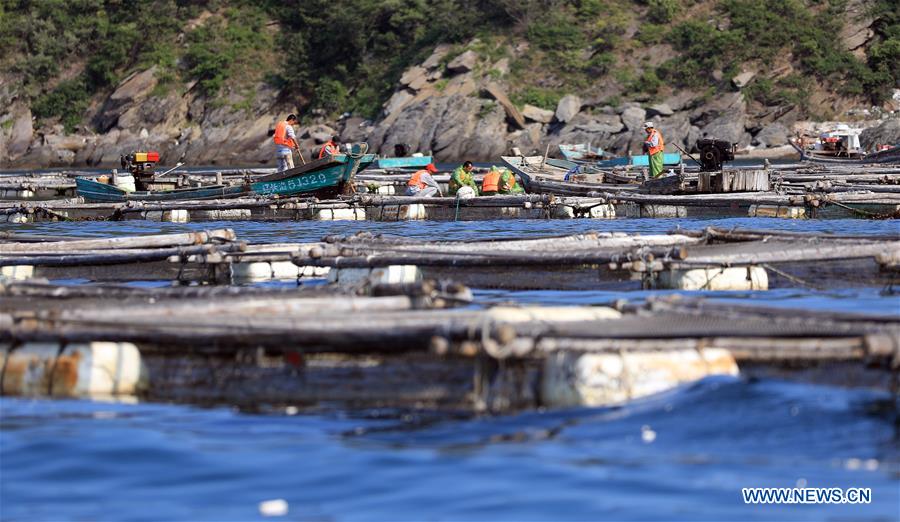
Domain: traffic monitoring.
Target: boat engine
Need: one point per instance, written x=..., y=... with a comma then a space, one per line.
x=140, y=165
x=713, y=153
x=401, y=150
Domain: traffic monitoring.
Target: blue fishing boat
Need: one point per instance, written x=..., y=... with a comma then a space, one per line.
x=669, y=158
x=326, y=177
x=408, y=162
x=582, y=152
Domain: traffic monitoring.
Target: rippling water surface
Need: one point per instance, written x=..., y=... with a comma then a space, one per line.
x=277, y=231
x=82, y=460
x=77, y=460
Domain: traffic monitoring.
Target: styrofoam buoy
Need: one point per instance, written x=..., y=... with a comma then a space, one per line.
x=340, y=214
x=265, y=271
x=715, y=279
x=777, y=211
x=392, y=274
x=125, y=182
x=78, y=370
x=603, y=379
x=16, y=217
x=415, y=212
x=465, y=193
x=607, y=211
x=17, y=272
x=225, y=214
x=171, y=216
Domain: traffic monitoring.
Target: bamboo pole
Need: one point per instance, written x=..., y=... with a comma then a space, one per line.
x=112, y=257
x=363, y=259
x=791, y=252
x=151, y=241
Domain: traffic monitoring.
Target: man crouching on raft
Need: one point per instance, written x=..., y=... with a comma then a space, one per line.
x=653, y=147
x=421, y=183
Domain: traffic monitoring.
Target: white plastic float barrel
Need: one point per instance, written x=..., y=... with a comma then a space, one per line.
x=78, y=370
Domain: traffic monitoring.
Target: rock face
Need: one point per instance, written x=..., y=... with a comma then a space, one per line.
x=494, y=90
x=633, y=118
x=132, y=91
x=21, y=131
x=568, y=107
x=412, y=74
x=741, y=80
x=887, y=133
x=723, y=118
x=857, y=30
x=773, y=135
x=660, y=109
x=463, y=63
x=457, y=110
x=537, y=114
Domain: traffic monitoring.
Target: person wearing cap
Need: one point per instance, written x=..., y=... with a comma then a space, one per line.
x=422, y=184
x=653, y=147
x=331, y=147
x=462, y=177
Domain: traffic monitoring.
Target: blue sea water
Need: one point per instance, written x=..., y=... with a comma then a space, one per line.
x=277, y=231
x=84, y=460
x=79, y=460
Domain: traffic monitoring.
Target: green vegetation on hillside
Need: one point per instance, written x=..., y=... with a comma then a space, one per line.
x=330, y=56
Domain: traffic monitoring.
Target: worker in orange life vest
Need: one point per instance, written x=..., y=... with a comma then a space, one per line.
x=331, y=147
x=285, y=142
x=421, y=183
x=654, y=147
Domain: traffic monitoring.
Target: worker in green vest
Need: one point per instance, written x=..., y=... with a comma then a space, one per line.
x=500, y=181
x=654, y=147
x=462, y=177
x=508, y=183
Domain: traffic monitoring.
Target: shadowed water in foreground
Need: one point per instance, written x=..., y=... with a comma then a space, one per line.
x=682, y=456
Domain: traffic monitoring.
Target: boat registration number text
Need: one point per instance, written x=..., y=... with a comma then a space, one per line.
x=293, y=183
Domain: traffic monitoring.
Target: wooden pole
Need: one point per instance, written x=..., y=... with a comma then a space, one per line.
x=223, y=235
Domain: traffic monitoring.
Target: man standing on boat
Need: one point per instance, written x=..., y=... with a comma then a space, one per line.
x=331, y=147
x=285, y=142
x=462, y=177
x=653, y=147
x=421, y=183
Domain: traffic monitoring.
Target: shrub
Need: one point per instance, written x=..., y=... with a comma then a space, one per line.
x=67, y=102
x=330, y=96
x=537, y=96
x=556, y=31
x=662, y=11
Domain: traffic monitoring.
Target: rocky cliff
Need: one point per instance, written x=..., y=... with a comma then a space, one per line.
x=458, y=103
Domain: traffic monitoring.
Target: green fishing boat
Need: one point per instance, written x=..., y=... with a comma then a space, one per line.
x=324, y=178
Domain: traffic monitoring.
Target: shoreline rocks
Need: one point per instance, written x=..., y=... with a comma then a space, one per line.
x=457, y=109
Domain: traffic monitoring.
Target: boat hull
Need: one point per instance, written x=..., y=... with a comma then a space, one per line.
x=669, y=158
x=886, y=156
x=96, y=192
x=581, y=153
x=409, y=162
x=326, y=177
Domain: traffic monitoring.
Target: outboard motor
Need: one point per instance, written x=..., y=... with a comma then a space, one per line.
x=401, y=150
x=713, y=153
x=140, y=165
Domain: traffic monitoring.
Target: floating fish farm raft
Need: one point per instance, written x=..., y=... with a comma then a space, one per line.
x=375, y=320
x=392, y=322
x=792, y=191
